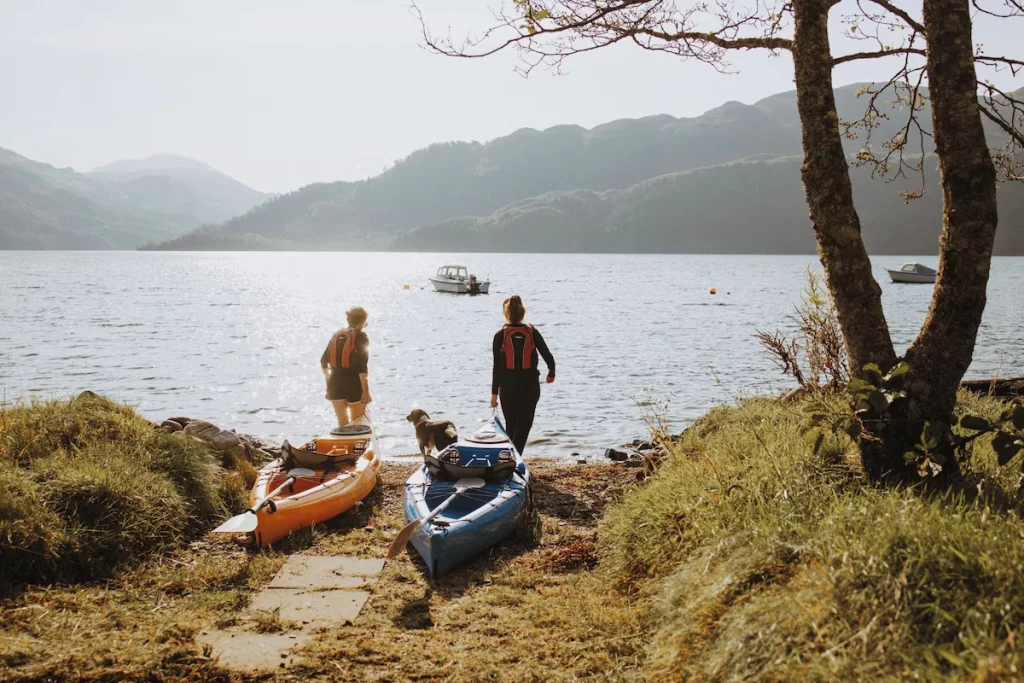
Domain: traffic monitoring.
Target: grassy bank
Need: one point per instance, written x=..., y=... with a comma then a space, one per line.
x=745, y=557
x=87, y=485
x=763, y=561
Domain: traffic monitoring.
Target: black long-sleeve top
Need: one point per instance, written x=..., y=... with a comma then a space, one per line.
x=502, y=375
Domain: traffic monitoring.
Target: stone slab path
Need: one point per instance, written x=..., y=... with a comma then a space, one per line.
x=310, y=592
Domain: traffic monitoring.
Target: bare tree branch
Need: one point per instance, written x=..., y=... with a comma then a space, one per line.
x=548, y=31
x=875, y=55
x=893, y=9
x=1000, y=63
x=1015, y=8
x=1007, y=113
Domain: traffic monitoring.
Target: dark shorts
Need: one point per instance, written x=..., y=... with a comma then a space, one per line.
x=344, y=386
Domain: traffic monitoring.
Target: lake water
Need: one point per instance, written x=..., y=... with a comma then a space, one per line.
x=236, y=338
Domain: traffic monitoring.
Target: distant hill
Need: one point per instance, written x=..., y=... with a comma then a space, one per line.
x=179, y=185
x=752, y=205
x=448, y=180
x=679, y=184
x=44, y=207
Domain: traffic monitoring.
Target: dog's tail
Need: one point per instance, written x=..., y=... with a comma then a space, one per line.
x=452, y=432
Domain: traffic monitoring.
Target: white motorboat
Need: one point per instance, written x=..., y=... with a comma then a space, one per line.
x=914, y=273
x=457, y=280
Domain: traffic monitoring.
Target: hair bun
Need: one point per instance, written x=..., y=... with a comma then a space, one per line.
x=514, y=309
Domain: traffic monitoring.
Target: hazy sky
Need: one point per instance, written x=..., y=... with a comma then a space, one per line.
x=282, y=93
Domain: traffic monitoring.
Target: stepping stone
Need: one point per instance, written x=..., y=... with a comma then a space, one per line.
x=312, y=572
x=248, y=651
x=311, y=590
x=317, y=607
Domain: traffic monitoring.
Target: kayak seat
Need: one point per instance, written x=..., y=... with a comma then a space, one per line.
x=459, y=461
x=313, y=458
x=487, y=437
x=492, y=474
x=351, y=430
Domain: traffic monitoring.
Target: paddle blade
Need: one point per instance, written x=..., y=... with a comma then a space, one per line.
x=403, y=538
x=239, y=524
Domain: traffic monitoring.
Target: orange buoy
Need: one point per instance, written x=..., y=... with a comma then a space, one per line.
x=714, y=291
x=405, y=287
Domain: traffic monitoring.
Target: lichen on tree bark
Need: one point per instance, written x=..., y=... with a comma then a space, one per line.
x=829, y=192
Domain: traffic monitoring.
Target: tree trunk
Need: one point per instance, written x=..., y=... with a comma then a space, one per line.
x=940, y=355
x=826, y=177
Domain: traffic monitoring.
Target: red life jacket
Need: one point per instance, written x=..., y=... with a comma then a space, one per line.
x=528, y=345
x=348, y=335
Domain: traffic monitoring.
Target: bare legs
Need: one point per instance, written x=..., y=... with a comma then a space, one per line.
x=347, y=412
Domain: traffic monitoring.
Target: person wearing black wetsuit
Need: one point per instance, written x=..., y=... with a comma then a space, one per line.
x=516, y=378
x=344, y=364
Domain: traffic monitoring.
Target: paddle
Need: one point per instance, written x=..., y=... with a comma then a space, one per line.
x=246, y=522
x=409, y=530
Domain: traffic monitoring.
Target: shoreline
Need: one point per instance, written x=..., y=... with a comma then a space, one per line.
x=708, y=563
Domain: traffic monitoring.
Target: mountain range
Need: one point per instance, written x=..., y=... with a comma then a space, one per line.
x=120, y=206
x=725, y=181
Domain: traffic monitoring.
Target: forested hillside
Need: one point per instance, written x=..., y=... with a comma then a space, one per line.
x=725, y=181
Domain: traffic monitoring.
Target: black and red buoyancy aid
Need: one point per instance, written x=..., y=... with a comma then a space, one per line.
x=347, y=337
x=528, y=346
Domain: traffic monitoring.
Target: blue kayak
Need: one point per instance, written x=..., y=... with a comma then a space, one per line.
x=479, y=517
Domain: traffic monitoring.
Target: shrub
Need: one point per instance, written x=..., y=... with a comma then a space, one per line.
x=87, y=485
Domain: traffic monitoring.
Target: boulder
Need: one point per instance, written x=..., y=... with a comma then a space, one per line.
x=616, y=455
x=262, y=443
x=170, y=426
x=219, y=439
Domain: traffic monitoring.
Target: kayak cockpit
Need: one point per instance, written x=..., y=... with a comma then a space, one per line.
x=302, y=484
x=465, y=505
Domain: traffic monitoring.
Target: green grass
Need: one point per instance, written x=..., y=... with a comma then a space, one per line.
x=764, y=561
x=744, y=557
x=87, y=485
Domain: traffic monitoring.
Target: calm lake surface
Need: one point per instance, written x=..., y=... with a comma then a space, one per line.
x=236, y=338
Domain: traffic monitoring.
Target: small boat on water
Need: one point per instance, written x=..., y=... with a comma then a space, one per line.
x=310, y=483
x=913, y=273
x=469, y=497
x=458, y=280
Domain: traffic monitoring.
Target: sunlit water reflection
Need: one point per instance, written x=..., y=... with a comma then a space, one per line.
x=236, y=338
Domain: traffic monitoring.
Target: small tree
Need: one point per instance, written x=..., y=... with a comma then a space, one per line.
x=545, y=32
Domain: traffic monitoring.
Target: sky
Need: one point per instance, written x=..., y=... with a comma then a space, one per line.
x=282, y=93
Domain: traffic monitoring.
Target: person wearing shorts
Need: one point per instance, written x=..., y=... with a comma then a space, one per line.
x=344, y=364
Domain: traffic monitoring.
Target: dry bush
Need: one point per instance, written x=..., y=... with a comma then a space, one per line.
x=814, y=354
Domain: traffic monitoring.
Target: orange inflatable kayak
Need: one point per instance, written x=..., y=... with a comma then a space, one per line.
x=344, y=470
